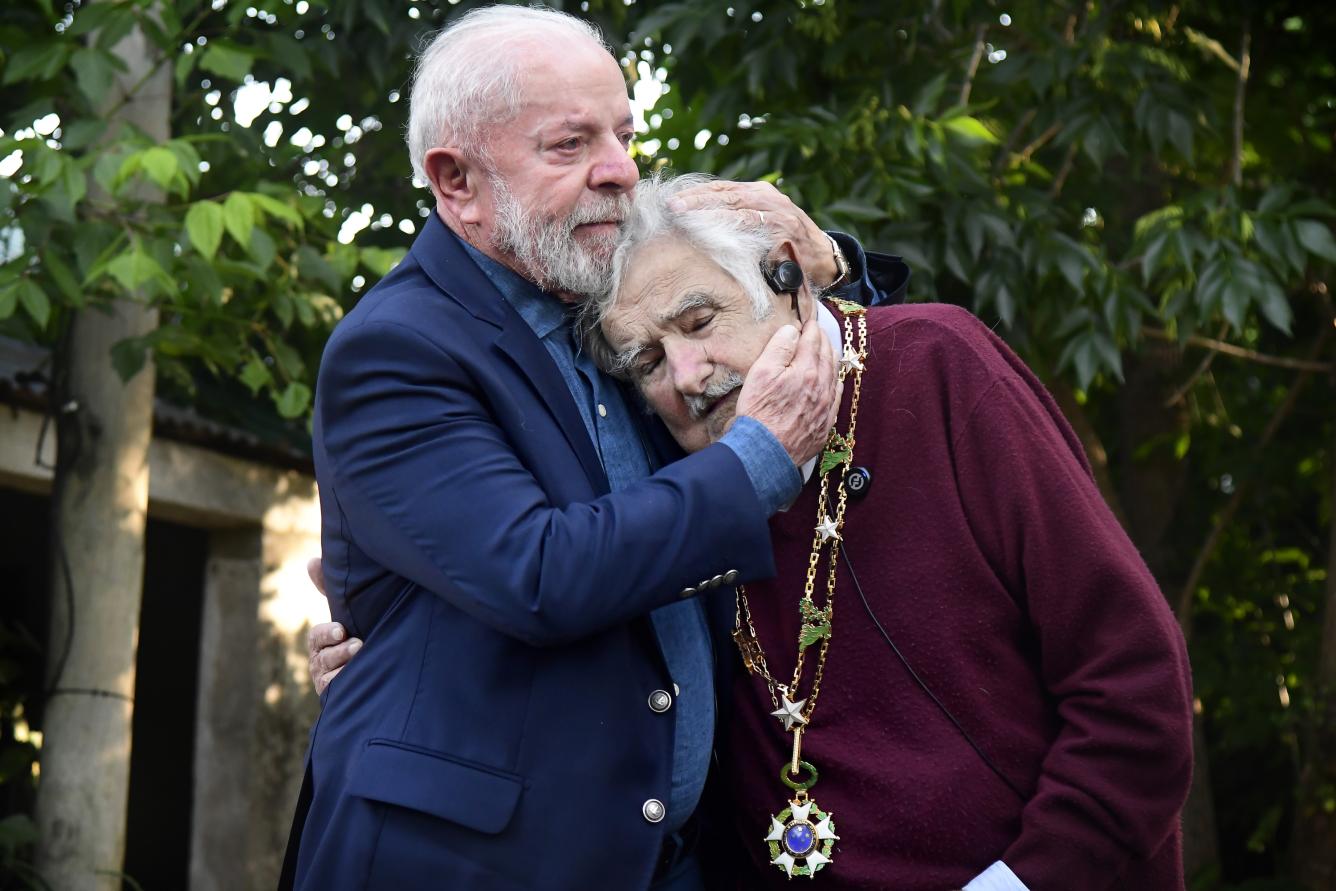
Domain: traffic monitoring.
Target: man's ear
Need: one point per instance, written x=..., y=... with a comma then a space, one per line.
x=454, y=180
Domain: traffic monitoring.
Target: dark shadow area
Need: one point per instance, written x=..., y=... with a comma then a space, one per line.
x=157, y=852
x=24, y=574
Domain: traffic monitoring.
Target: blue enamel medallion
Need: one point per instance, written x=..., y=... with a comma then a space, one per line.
x=799, y=839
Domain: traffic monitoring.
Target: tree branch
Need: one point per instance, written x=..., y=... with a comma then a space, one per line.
x=1184, y=608
x=1005, y=152
x=1039, y=142
x=973, y=67
x=1196, y=374
x=1067, y=163
x=1239, y=352
x=1240, y=86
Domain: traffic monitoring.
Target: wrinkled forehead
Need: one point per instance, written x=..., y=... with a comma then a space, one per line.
x=664, y=277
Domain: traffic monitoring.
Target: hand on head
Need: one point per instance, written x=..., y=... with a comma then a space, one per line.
x=782, y=220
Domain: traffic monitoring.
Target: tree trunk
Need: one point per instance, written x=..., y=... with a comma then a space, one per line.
x=100, y=506
x=1315, y=824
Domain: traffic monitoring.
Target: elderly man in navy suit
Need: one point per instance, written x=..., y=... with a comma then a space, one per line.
x=535, y=707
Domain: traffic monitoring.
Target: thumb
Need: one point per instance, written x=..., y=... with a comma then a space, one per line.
x=316, y=573
x=779, y=352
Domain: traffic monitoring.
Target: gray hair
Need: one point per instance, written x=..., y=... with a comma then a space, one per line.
x=468, y=75
x=732, y=240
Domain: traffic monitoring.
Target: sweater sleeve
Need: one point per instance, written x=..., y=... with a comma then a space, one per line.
x=1110, y=653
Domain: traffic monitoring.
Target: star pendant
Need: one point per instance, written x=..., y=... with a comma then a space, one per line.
x=851, y=358
x=789, y=712
x=827, y=529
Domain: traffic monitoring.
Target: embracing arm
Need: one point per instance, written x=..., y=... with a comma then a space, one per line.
x=430, y=487
x=1110, y=652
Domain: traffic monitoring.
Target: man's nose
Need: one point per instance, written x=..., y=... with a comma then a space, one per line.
x=688, y=367
x=613, y=169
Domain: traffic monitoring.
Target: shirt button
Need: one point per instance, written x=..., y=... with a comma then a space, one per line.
x=602, y=410
x=731, y=577
x=660, y=701
x=653, y=810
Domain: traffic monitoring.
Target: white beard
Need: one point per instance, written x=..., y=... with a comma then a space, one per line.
x=547, y=249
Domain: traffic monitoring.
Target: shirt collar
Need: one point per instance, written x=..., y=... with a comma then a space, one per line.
x=539, y=309
x=830, y=326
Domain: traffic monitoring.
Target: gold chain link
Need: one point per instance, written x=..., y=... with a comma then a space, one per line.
x=753, y=654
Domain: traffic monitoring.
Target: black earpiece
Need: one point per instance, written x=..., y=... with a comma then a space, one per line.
x=785, y=278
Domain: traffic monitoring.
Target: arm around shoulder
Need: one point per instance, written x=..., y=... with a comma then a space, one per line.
x=432, y=489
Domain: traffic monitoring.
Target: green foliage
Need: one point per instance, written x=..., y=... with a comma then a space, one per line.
x=1010, y=192
x=223, y=232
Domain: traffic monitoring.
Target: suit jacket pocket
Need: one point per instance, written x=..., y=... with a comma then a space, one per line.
x=477, y=797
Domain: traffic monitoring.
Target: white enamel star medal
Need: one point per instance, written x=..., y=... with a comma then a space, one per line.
x=802, y=836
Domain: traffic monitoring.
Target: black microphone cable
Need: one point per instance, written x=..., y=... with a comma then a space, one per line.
x=853, y=576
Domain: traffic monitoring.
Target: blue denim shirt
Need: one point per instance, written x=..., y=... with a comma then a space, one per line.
x=680, y=627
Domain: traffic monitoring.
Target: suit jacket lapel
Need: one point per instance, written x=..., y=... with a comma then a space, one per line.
x=438, y=251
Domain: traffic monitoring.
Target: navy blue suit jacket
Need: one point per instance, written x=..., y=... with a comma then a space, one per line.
x=498, y=734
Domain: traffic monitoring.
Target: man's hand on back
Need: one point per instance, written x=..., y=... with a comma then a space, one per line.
x=328, y=643
x=793, y=390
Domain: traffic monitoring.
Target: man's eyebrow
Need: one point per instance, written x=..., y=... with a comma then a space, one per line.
x=622, y=362
x=691, y=300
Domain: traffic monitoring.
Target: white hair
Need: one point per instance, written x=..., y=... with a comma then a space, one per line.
x=732, y=240
x=468, y=76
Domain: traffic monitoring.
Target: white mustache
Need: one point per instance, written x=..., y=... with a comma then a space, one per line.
x=698, y=406
x=603, y=209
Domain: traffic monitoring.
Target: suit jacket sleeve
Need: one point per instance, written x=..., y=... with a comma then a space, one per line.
x=1110, y=652
x=430, y=489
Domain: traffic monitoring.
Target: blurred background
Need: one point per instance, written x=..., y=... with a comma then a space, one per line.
x=192, y=192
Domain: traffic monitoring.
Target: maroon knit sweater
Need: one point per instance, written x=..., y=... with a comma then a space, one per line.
x=990, y=558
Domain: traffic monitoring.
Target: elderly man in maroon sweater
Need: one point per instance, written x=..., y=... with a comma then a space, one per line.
x=1002, y=696
x=1001, y=701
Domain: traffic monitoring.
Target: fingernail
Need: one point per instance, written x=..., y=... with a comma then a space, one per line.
x=354, y=647
x=339, y=633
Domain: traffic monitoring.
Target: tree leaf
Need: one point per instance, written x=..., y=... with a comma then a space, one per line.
x=134, y=268
x=1275, y=306
x=857, y=211
x=972, y=129
x=204, y=225
x=239, y=217
x=261, y=248
x=160, y=164
x=35, y=301
x=9, y=299
x=1316, y=237
x=1150, y=260
x=39, y=61
x=294, y=400
x=255, y=375
x=226, y=60
x=129, y=356
x=275, y=208
x=93, y=72
x=62, y=275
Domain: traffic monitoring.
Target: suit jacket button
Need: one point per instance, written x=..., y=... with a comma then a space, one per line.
x=731, y=577
x=660, y=701
x=687, y=592
x=653, y=810
x=716, y=581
